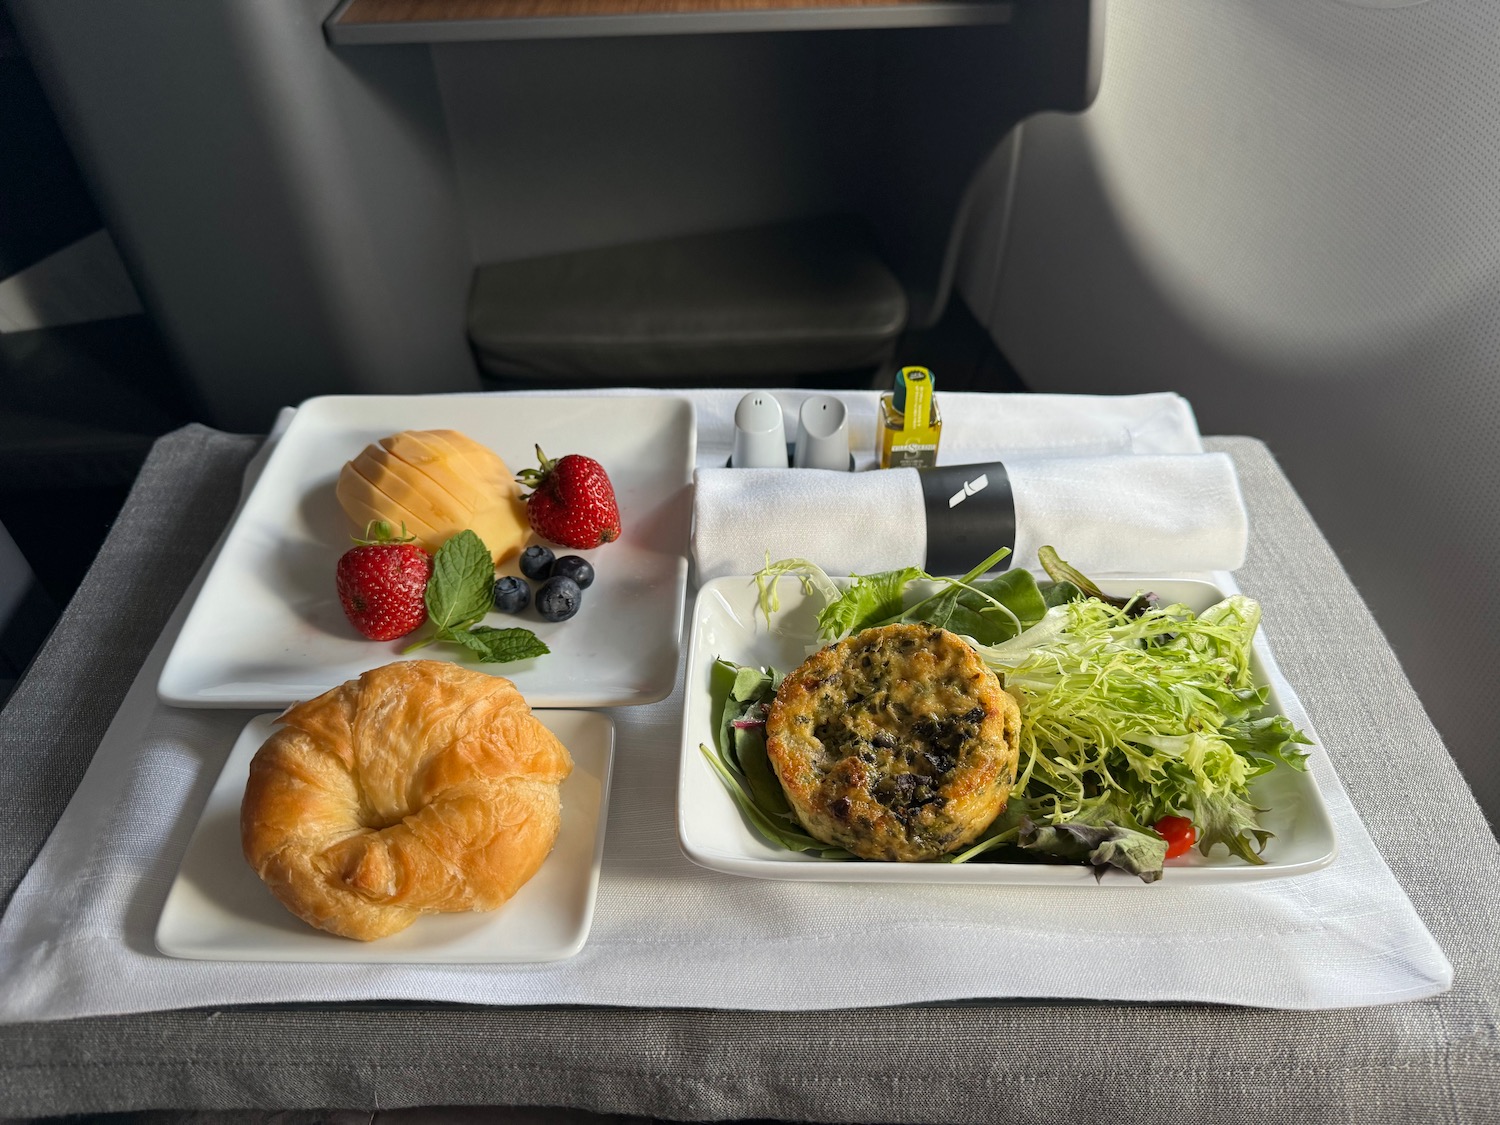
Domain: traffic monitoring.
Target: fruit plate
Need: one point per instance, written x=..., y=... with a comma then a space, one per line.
x=267, y=630
x=727, y=622
x=218, y=910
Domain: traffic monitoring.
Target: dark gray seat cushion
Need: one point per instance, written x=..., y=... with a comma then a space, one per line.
x=785, y=300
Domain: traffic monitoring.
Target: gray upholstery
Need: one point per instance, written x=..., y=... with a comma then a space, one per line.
x=26, y=613
x=1435, y=1060
x=774, y=302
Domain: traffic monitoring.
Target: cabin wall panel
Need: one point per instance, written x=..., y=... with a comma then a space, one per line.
x=1289, y=211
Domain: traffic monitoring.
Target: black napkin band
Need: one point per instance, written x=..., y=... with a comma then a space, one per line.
x=971, y=514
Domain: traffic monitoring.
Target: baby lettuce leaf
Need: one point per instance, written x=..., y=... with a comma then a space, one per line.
x=870, y=600
x=989, y=610
x=1131, y=714
x=1063, y=573
x=1016, y=589
x=1102, y=837
x=810, y=574
x=880, y=599
x=1101, y=845
x=1058, y=593
x=751, y=697
x=1271, y=737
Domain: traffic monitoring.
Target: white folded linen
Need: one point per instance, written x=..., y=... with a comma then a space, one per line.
x=987, y=427
x=1137, y=493
x=77, y=939
x=1122, y=513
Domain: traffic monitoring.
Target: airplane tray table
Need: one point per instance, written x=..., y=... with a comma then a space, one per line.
x=1433, y=1059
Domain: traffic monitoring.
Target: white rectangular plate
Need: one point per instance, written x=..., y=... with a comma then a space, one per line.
x=727, y=623
x=266, y=629
x=219, y=910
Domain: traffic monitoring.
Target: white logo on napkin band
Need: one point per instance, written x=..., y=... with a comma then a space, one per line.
x=978, y=484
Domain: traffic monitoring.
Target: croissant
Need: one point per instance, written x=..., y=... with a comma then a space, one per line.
x=420, y=787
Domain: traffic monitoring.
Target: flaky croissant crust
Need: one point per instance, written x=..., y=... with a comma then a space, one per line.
x=420, y=787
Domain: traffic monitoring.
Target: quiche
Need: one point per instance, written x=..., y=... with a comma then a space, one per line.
x=895, y=744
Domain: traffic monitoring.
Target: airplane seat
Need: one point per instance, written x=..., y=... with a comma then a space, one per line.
x=331, y=247
x=884, y=128
x=1287, y=211
x=781, y=302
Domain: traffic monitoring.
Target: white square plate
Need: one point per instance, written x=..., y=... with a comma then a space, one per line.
x=727, y=623
x=219, y=910
x=267, y=630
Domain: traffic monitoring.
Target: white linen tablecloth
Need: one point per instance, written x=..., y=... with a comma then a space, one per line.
x=77, y=938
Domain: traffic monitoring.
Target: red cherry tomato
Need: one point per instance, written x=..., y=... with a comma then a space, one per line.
x=1178, y=832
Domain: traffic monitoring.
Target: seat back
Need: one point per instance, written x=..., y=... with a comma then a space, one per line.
x=579, y=145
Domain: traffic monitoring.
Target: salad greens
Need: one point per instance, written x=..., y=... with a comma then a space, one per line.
x=1131, y=711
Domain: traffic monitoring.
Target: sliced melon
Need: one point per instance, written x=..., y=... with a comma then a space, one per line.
x=437, y=463
x=483, y=461
x=499, y=513
x=363, y=502
x=439, y=482
x=412, y=489
x=507, y=516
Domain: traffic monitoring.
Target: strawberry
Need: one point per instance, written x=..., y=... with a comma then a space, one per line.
x=572, y=502
x=382, y=583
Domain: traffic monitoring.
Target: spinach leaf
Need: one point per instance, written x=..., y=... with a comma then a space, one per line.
x=1015, y=589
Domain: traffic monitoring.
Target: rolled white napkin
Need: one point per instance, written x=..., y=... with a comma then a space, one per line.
x=847, y=523
x=1127, y=513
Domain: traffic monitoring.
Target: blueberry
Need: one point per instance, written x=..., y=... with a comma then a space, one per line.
x=558, y=599
x=536, y=562
x=577, y=568
x=512, y=594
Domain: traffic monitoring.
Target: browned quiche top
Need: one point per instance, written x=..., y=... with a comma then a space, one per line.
x=896, y=743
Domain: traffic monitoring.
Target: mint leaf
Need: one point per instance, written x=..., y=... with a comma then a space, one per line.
x=499, y=646
x=459, y=594
x=461, y=588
